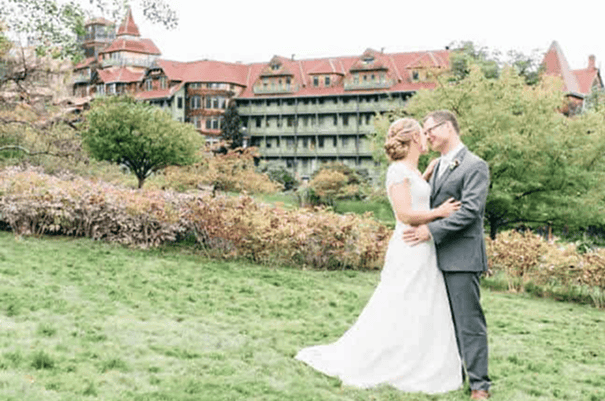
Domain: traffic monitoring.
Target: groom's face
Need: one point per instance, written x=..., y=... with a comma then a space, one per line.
x=437, y=133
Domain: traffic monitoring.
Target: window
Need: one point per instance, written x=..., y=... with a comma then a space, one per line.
x=335, y=120
x=289, y=143
x=197, y=122
x=277, y=142
x=196, y=102
x=213, y=123
x=290, y=121
x=320, y=142
x=345, y=120
x=258, y=122
x=179, y=101
x=315, y=81
x=305, y=142
x=148, y=84
x=345, y=142
x=163, y=82
x=334, y=141
x=268, y=143
x=327, y=81
x=195, y=85
x=368, y=119
x=111, y=89
x=100, y=89
x=415, y=76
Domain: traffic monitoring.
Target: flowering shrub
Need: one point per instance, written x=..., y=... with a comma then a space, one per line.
x=266, y=234
x=230, y=172
x=529, y=257
x=32, y=203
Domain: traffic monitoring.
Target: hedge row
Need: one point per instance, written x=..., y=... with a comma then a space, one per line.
x=33, y=203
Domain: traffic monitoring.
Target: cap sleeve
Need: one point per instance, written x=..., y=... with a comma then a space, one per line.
x=397, y=174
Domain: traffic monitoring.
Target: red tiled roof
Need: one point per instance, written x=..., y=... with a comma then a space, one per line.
x=395, y=63
x=145, y=46
x=205, y=71
x=84, y=63
x=99, y=21
x=128, y=26
x=556, y=64
x=159, y=93
x=123, y=74
x=586, y=79
x=328, y=66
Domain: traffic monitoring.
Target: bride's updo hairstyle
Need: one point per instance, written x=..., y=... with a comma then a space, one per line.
x=399, y=136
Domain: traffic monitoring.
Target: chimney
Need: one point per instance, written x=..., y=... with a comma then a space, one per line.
x=591, y=62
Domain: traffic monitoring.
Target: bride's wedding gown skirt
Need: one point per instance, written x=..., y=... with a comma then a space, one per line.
x=404, y=336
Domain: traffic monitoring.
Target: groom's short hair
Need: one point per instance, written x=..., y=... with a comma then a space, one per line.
x=444, y=115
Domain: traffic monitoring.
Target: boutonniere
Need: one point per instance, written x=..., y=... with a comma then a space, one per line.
x=454, y=164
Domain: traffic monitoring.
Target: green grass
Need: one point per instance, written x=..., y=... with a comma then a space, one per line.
x=82, y=320
x=381, y=210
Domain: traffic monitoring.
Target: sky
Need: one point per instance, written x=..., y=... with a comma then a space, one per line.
x=254, y=31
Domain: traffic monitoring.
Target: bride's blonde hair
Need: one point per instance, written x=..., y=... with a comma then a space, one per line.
x=399, y=136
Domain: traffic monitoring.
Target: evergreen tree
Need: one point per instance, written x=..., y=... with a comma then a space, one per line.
x=232, y=127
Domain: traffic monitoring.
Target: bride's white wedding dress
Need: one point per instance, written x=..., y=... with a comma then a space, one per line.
x=404, y=336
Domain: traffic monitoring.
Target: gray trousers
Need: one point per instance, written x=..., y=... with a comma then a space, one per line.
x=470, y=326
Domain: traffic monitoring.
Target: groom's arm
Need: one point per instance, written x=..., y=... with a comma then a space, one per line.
x=474, y=195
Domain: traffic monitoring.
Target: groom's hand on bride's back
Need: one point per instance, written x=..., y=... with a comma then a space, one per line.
x=416, y=235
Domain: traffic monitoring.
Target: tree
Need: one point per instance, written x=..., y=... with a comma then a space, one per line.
x=232, y=127
x=142, y=137
x=544, y=166
x=53, y=25
x=466, y=54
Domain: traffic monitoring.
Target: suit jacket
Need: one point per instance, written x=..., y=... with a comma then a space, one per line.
x=459, y=238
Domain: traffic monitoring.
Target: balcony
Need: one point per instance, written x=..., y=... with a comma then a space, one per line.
x=81, y=78
x=368, y=85
x=274, y=89
x=113, y=62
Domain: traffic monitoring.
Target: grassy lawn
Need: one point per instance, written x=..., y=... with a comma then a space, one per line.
x=81, y=320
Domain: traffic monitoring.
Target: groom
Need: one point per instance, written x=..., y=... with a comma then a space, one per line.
x=459, y=241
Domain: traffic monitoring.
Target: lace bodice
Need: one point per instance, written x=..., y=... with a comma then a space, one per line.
x=420, y=190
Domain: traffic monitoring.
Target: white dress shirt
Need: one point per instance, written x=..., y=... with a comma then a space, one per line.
x=446, y=160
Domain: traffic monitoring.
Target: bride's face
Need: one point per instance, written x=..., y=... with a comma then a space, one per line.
x=423, y=142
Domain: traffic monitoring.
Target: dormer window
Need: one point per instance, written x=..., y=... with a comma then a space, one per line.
x=367, y=59
x=415, y=75
x=275, y=67
x=327, y=81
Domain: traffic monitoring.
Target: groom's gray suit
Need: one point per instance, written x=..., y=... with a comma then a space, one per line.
x=461, y=255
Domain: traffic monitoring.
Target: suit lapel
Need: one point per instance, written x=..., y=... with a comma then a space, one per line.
x=437, y=183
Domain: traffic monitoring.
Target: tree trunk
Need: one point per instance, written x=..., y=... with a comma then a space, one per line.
x=493, y=229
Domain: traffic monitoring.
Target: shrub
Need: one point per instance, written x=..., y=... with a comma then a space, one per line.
x=233, y=171
x=224, y=226
x=526, y=257
x=336, y=181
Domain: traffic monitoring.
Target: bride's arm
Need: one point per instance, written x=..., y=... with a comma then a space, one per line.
x=402, y=203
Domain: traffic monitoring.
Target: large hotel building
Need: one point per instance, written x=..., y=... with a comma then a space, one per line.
x=299, y=113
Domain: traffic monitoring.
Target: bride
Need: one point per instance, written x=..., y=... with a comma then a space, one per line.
x=404, y=336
